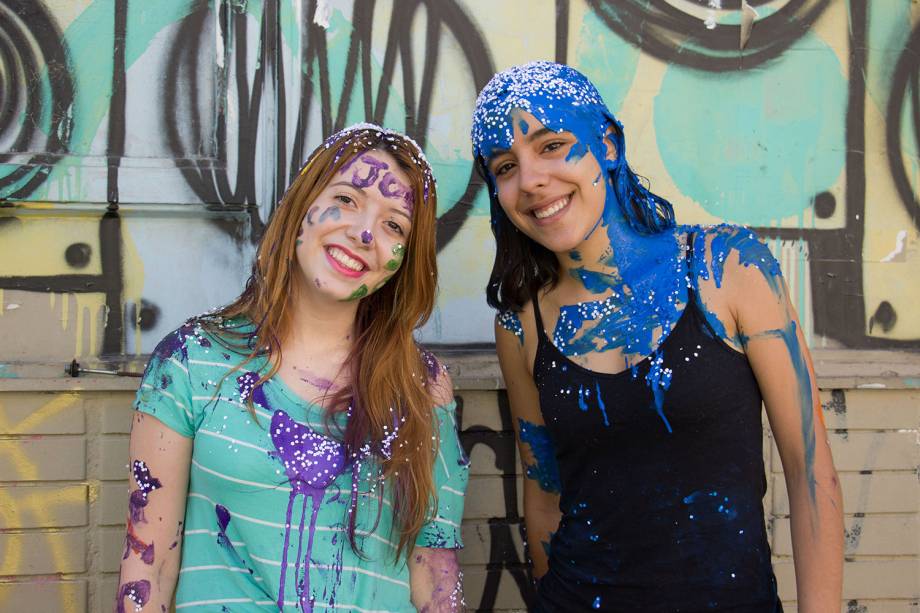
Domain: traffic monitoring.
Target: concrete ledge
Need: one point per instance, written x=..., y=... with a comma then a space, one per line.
x=478, y=370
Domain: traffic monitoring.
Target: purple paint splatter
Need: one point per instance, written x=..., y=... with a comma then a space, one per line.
x=312, y=462
x=391, y=187
x=373, y=171
x=137, y=591
x=135, y=544
x=366, y=237
x=247, y=386
x=146, y=483
x=223, y=520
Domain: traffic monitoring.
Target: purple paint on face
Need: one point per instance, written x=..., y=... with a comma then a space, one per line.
x=312, y=462
x=146, y=483
x=310, y=215
x=137, y=591
x=366, y=237
x=374, y=167
x=391, y=187
x=247, y=386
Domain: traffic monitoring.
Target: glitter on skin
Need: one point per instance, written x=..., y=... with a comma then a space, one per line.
x=137, y=592
x=146, y=483
x=399, y=252
x=545, y=469
x=510, y=321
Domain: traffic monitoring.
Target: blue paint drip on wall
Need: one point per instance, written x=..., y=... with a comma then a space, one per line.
x=545, y=470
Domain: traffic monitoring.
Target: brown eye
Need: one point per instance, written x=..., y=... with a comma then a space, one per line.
x=503, y=168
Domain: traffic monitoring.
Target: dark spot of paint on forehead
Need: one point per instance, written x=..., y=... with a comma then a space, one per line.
x=374, y=166
x=522, y=124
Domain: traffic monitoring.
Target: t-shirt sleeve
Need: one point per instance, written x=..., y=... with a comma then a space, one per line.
x=451, y=473
x=166, y=391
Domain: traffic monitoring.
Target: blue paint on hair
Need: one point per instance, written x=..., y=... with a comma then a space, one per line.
x=545, y=469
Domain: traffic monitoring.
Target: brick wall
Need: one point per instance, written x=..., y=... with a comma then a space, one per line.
x=63, y=456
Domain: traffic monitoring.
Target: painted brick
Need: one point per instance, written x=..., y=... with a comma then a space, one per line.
x=43, y=459
x=113, y=503
x=504, y=592
x=860, y=450
x=494, y=541
x=41, y=413
x=112, y=548
x=872, y=535
x=880, y=579
x=480, y=408
x=62, y=596
x=486, y=496
x=115, y=411
x=43, y=553
x=871, y=409
x=879, y=492
x=43, y=506
x=113, y=457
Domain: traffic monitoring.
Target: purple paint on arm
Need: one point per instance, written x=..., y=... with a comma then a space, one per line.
x=443, y=569
x=146, y=483
x=135, y=544
x=391, y=187
x=311, y=462
x=137, y=591
x=374, y=167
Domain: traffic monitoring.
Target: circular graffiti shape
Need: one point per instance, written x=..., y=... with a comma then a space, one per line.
x=903, y=125
x=36, y=91
x=663, y=30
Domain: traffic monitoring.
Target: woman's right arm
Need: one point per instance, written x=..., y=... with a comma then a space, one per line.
x=541, y=473
x=159, y=468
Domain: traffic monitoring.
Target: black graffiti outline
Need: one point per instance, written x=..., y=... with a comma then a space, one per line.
x=905, y=83
x=663, y=31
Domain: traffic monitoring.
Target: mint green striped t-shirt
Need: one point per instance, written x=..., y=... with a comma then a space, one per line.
x=254, y=536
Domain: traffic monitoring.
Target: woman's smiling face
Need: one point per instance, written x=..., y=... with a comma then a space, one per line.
x=549, y=192
x=354, y=235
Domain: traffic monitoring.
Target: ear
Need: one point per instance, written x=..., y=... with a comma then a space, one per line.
x=610, y=146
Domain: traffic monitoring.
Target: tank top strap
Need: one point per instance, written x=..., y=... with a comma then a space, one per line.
x=538, y=319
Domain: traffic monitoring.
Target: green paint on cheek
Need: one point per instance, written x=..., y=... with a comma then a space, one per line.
x=399, y=252
x=298, y=242
x=359, y=293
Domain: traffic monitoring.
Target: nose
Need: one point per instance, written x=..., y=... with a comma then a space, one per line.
x=532, y=174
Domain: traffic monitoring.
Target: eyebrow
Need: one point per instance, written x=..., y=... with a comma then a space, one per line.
x=401, y=212
x=347, y=184
x=529, y=137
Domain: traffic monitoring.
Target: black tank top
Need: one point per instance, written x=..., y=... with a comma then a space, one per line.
x=654, y=520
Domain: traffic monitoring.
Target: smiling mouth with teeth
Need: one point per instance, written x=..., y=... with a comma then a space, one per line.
x=344, y=259
x=549, y=211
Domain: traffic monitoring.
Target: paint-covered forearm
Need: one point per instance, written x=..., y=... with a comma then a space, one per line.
x=156, y=508
x=436, y=580
x=544, y=469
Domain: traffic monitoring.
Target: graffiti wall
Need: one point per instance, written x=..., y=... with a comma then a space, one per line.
x=144, y=145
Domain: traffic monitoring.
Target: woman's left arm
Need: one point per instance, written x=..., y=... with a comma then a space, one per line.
x=435, y=577
x=772, y=338
x=436, y=580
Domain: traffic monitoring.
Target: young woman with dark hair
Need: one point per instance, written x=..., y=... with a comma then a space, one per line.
x=637, y=354
x=296, y=449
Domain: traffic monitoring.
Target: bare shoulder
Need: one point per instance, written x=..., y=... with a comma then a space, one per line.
x=438, y=379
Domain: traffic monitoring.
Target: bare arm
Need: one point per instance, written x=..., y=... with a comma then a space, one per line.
x=436, y=580
x=159, y=465
x=541, y=474
x=772, y=338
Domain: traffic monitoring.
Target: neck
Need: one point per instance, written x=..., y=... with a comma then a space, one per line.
x=318, y=324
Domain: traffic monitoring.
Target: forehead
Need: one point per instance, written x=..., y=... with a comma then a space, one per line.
x=374, y=164
x=557, y=96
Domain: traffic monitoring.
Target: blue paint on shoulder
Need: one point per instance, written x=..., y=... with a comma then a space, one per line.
x=510, y=321
x=545, y=469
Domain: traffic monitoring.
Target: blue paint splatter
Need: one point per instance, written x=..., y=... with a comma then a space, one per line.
x=600, y=403
x=545, y=470
x=510, y=321
x=333, y=212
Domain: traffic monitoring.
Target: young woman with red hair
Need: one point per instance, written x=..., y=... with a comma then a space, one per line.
x=296, y=449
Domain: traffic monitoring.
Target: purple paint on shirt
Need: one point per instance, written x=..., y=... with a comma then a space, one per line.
x=312, y=462
x=391, y=187
x=223, y=520
x=247, y=386
x=137, y=591
x=373, y=171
